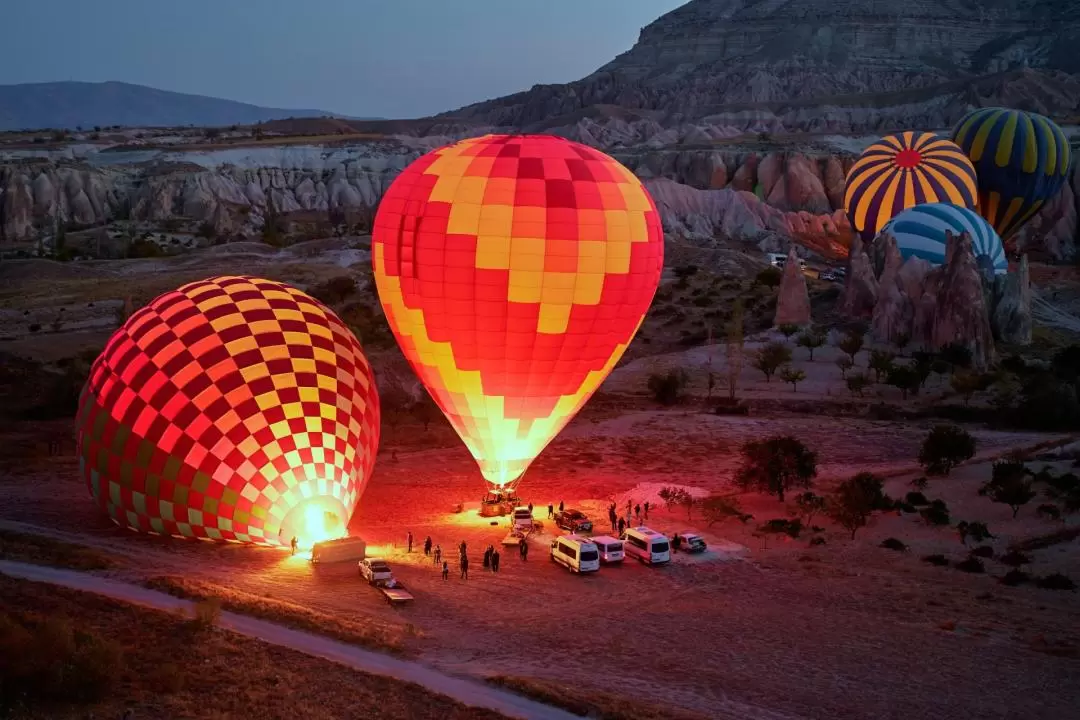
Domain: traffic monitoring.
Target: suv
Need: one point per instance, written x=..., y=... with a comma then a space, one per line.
x=374, y=570
x=573, y=520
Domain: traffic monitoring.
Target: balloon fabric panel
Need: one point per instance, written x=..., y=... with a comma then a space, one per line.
x=920, y=232
x=1022, y=160
x=220, y=407
x=901, y=171
x=514, y=271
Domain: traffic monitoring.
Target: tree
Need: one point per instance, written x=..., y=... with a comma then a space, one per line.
x=965, y=383
x=809, y=505
x=845, y=364
x=945, y=447
x=905, y=378
x=734, y=344
x=718, y=508
x=769, y=358
x=667, y=388
x=788, y=329
x=811, y=340
x=776, y=465
x=851, y=505
x=851, y=344
x=674, y=496
x=956, y=354
x=1009, y=485
x=977, y=531
x=790, y=375
x=881, y=362
x=857, y=383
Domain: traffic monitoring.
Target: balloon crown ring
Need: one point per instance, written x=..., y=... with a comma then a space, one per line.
x=908, y=158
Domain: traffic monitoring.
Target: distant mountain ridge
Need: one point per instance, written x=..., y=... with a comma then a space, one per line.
x=33, y=106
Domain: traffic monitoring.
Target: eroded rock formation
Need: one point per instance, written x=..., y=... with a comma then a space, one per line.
x=1011, y=320
x=793, y=301
x=860, y=292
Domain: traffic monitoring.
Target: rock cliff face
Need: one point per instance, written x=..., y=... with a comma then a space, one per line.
x=1011, y=320
x=772, y=64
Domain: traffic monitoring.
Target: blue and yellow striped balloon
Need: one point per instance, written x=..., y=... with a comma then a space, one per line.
x=901, y=171
x=1022, y=160
x=920, y=232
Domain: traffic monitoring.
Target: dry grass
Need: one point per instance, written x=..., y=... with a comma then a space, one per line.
x=171, y=668
x=591, y=704
x=372, y=633
x=46, y=551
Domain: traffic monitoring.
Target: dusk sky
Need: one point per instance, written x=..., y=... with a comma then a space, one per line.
x=391, y=58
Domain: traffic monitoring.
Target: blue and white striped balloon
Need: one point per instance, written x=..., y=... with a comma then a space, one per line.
x=920, y=232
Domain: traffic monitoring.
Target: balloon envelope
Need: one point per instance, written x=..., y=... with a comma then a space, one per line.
x=920, y=232
x=233, y=409
x=1022, y=160
x=514, y=271
x=901, y=171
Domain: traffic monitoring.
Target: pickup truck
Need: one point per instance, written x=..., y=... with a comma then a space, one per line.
x=375, y=571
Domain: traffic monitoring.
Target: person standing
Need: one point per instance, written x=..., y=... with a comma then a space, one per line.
x=445, y=570
x=464, y=567
x=612, y=517
x=461, y=548
x=530, y=509
x=646, y=509
x=294, y=543
x=487, y=557
x=495, y=561
x=437, y=554
x=551, y=511
x=427, y=546
x=408, y=540
x=637, y=512
x=561, y=506
x=622, y=526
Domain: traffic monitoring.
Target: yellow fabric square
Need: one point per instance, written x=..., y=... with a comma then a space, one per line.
x=527, y=254
x=553, y=319
x=464, y=219
x=470, y=190
x=496, y=220
x=492, y=252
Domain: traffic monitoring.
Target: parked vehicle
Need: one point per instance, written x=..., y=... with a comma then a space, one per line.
x=573, y=520
x=577, y=554
x=693, y=543
x=339, y=550
x=375, y=570
x=610, y=549
x=523, y=520
x=647, y=545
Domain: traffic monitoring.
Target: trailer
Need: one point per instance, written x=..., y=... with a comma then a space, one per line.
x=394, y=591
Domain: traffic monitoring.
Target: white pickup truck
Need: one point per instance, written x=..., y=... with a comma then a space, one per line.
x=375, y=570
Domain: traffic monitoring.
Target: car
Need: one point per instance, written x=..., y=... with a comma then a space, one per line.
x=375, y=570
x=692, y=543
x=573, y=520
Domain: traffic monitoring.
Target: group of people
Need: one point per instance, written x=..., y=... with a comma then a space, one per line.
x=492, y=556
x=620, y=523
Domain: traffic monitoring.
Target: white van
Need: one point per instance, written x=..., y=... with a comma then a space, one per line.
x=578, y=554
x=646, y=545
x=523, y=520
x=610, y=549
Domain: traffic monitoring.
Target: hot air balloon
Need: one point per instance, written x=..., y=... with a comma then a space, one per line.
x=1022, y=160
x=514, y=271
x=233, y=409
x=920, y=232
x=901, y=171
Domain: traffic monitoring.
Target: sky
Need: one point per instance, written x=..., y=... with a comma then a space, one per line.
x=380, y=58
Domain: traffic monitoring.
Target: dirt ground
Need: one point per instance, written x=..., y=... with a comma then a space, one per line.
x=755, y=628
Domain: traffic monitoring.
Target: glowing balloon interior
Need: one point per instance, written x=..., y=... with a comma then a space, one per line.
x=1022, y=160
x=514, y=272
x=901, y=171
x=232, y=409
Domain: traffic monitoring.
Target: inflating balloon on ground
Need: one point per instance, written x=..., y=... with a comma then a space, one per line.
x=234, y=409
x=920, y=232
x=514, y=272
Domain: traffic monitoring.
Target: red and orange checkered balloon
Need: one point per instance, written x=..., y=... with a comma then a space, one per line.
x=514, y=271
x=231, y=409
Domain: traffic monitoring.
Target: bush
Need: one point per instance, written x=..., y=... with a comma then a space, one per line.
x=1015, y=558
x=938, y=560
x=718, y=508
x=788, y=329
x=49, y=661
x=881, y=362
x=844, y=363
x=1015, y=577
x=769, y=359
x=971, y=565
x=1056, y=581
x=854, y=501
x=783, y=526
x=904, y=378
x=792, y=376
x=935, y=515
x=983, y=551
x=206, y=613
x=945, y=447
x=1048, y=511
x=977, y=531
x=769, y=277
x=1009, y=485
x=956, y=354
x=893, y=544
x=667, y=388
x=916, y=498
x=857, y=383
x=811, y=340
x=851, y=344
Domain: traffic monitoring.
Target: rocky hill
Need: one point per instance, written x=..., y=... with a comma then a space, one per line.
x=819, y=65
x=81, y=104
